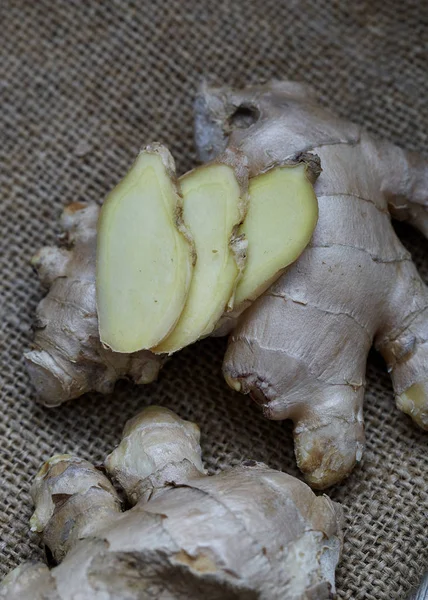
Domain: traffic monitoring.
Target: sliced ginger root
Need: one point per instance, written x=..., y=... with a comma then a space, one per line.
x=281, y=219
x=214, y=204
x=144, y=298
x=144, y=257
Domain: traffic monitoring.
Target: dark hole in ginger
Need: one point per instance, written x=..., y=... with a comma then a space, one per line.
x=244, y=116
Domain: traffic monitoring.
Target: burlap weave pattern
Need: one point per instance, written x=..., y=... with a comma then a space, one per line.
x=83, y=85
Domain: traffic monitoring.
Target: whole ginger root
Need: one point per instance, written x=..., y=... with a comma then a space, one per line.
x=300, y=350
x=250, y=532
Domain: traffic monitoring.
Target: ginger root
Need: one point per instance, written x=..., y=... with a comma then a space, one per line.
x=300, y=350
x=250, y=532
x=67, y=358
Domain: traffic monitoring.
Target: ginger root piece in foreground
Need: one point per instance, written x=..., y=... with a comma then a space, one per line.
x=67, y=358
x=301, y=349
x=250, y=532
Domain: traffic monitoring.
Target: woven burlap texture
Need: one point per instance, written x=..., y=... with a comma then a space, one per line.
x=84, y=85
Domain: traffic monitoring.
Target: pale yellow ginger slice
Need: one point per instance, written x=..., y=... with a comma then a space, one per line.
x=282, y=216
x=144, y=257
x=214, y=205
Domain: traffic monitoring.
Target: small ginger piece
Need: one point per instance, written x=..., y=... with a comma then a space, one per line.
x=144, y=256
x=249, y=532
x=214, y=205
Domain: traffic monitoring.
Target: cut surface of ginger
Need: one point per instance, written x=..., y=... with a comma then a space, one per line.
x=144, y=257
x=213, y=208
x=282, y=215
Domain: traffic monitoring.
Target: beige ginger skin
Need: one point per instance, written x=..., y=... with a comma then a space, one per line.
x=301, y=349
x=67, y=358
x=250, y=532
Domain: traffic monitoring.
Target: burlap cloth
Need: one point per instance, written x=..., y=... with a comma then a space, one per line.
x=83, y=86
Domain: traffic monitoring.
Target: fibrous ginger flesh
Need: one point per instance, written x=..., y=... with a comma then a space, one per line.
x=144, y=261
x=281, y=218
x=212, y=209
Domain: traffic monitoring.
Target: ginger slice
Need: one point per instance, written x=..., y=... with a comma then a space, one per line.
x=144, y=257
x=282, y=215
x=214, y=204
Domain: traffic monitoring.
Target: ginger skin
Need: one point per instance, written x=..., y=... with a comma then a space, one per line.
x=67, y=358
x=300, y=350
x=250, y=532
